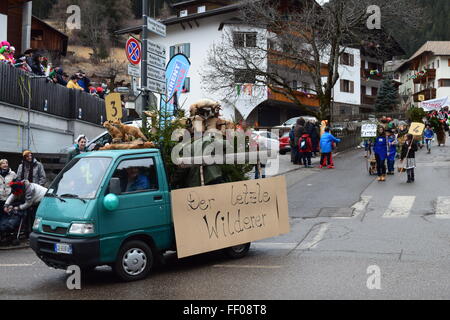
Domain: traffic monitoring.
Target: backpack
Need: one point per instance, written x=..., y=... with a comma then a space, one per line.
x=303, y=144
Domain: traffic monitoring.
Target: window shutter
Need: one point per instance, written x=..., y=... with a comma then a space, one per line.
x=342, y=86
x=352, y=87
x=187, y=50
x=449, y=62
x=172, y=51
x=352, y=60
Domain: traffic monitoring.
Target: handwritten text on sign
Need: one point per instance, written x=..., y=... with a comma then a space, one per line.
x=221, y=216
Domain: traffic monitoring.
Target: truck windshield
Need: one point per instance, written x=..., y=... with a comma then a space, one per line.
x=80, y=179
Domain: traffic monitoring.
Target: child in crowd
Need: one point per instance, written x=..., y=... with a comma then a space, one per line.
x=409, y=153
x=326, y=148
x=429, y=136
x=392, y=151
x=305, y=148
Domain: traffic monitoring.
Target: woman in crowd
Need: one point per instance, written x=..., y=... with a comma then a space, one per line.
x=80, y=147
x=37, y=65
x=73, y=83
x=409, y=150
x=32, y=170
x=6, y=177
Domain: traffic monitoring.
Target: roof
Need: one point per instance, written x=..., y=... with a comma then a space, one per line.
x=175, y=20
x=438, y=48
x=51, y=27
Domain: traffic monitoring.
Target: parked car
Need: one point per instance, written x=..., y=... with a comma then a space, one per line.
x=266, y=140
x=285, y=145
x=287, y=126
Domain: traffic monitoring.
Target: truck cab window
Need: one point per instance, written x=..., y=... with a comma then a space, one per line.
x=137, y=175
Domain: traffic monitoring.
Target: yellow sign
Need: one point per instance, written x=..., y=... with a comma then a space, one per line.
x=225, y=215
x=113, y=104
x=416, y=129
x=421, y=97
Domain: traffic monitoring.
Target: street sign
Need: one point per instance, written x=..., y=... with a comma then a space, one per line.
x=369, y=130
x=113, y=107
x=156, y=61
x=156, y=27
x=155, y=48
x=156, y=74
x=133, y=51
x=156, y=86
x=134, y=71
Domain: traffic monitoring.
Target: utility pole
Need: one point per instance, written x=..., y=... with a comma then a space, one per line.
x=144, y=83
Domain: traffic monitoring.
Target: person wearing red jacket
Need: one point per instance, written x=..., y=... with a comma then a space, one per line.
x=305, y=149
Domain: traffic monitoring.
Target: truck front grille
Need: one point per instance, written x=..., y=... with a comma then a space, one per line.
x=58, y=230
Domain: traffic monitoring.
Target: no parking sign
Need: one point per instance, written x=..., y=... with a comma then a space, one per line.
x=133, y=51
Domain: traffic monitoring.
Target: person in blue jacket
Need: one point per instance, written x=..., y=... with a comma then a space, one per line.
x=392, y=151
x=326, y=148
x=380, y=148
x=429, y=136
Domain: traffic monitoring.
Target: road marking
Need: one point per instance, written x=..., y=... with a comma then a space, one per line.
x=361, y=206
x=316, y=234
x=273, y=245
x=245, y=266
x=400, y=207
x=17, y=265
x=443, y=208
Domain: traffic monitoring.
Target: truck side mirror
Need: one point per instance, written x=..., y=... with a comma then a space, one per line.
x=114, y=186
x=111, y=202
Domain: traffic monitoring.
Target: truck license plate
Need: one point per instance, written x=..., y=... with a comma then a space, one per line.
x=63, y=248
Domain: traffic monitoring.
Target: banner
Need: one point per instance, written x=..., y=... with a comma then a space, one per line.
x=225, y=215
x=435, y=104
x=176, y=72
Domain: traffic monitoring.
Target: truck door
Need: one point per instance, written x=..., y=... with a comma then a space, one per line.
x=142, y=200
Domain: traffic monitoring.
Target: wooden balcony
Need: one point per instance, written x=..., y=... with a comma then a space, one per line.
x=430, y=75
x=368, y=100
x=306, y=99
x=280, y=59
x=429, y=94
x=365, y=75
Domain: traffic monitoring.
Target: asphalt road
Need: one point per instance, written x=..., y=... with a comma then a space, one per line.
x=344, y=227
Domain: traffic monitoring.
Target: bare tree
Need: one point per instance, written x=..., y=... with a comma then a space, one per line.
x=300, y=39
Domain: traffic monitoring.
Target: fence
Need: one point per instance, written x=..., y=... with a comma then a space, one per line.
x=367, y=116
x=350, y=140
x=49, y=97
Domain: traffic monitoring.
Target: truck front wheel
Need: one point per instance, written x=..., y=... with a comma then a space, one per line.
x=134, y=261
x=237, y=252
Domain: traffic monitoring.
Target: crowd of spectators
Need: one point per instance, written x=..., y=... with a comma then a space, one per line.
x=33, y=62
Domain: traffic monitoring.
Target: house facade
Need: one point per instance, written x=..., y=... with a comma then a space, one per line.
x=426, y=75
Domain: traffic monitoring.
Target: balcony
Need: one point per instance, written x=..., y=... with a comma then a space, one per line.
x=365, y=75
x=430, y=75
x=306, y=99
x=281, y=59
x=428, y=94
x=368, y=100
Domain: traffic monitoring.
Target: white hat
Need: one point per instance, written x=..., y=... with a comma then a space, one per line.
x=81, y=136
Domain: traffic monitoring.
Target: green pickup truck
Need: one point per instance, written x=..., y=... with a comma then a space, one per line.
x=109, y=208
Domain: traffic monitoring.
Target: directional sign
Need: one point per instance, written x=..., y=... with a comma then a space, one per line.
x=156, y=86
x=155, y=48
x=156, y=61
x=134, y=71
x=156, y=27
x=156, y=74
x=133, y=51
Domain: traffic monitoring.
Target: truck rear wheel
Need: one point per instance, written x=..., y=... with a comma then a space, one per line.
x=134, y=261
x=237, y=252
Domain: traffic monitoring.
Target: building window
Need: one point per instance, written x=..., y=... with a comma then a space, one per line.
x=187, y=85
x=294, y=84
x=183, y=13
x=449, y=62
x=37, y=35
x=201, y=9
x=348, y=59
x=184, y=48
x=374, y=91
x=347, y=86
x=244, y=39
x=444, y=83
x=244, y=76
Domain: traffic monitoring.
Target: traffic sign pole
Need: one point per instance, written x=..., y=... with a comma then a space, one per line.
x=144, y=53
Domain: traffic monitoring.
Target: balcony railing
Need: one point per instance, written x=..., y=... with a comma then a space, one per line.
x=368, y=99
x=49, y=97
x=306, y=99
x=281, y=59
x=429, y=75
x=426, y=94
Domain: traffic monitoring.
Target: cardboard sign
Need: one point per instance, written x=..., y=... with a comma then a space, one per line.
x=113, y=105
x=221, y=216
x=369, y=130
x=416, y=129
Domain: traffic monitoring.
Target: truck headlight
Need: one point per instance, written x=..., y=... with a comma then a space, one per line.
x=81, y=228
x=37, y=223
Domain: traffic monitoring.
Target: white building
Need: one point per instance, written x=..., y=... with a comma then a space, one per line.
x=426, y=75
